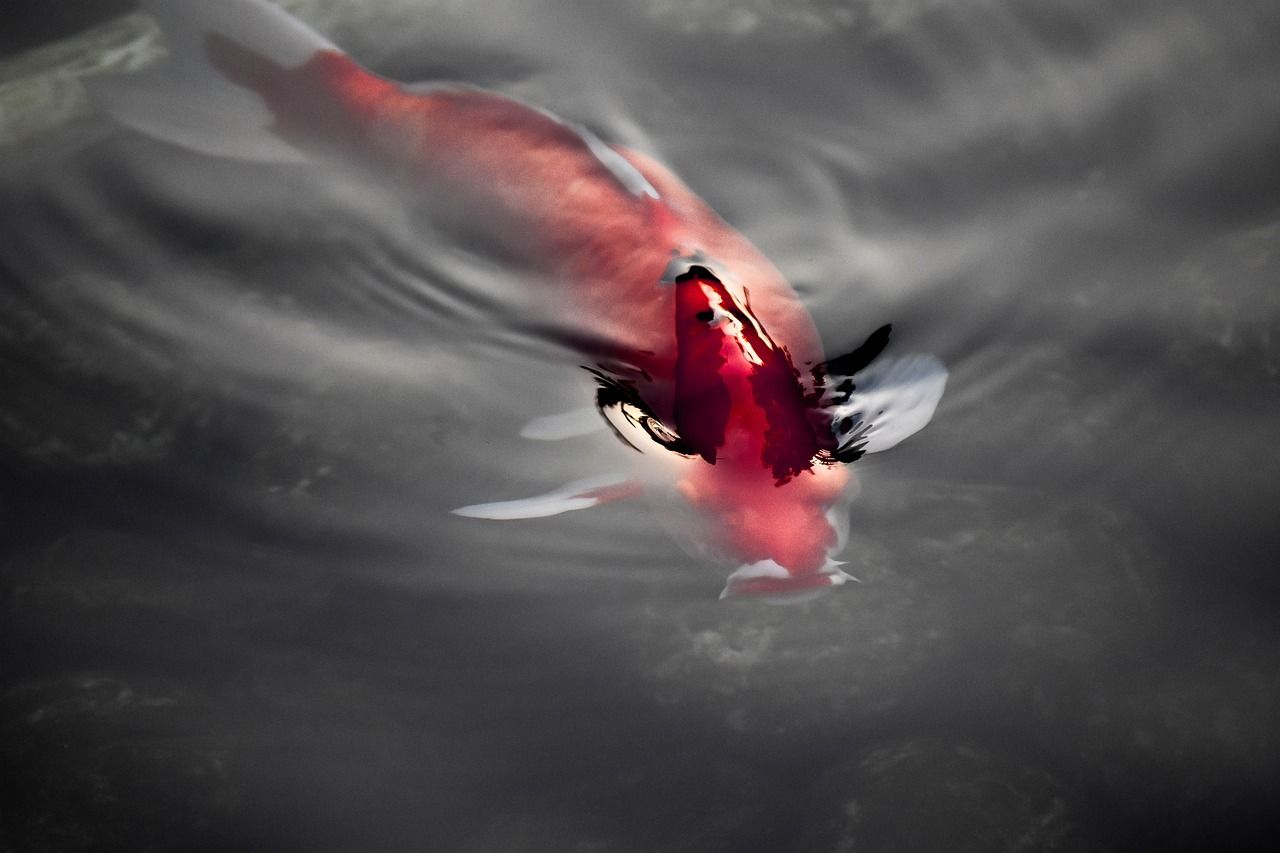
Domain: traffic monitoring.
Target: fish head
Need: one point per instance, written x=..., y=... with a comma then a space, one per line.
x=735, y=466
x=763, y=496
x=737, y=396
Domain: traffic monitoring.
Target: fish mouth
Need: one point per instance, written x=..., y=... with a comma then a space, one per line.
x=771, y=583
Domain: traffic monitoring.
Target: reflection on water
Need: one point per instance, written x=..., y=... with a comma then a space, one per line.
x=241, y=400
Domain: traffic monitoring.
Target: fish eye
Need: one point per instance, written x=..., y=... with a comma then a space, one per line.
x=705, y=316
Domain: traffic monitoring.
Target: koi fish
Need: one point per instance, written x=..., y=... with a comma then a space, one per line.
x=704, y=359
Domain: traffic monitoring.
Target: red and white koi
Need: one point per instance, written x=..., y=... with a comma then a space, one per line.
x=699, y=341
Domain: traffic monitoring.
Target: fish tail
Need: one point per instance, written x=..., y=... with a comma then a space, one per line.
x=771, y=583
x=213, y=92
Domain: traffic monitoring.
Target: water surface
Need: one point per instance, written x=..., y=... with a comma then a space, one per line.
x=241, y=400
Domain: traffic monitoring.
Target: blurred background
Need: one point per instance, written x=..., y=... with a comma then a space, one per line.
x=240, y=400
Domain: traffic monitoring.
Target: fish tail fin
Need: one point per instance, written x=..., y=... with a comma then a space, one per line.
x=192, y=98
x=770, y=583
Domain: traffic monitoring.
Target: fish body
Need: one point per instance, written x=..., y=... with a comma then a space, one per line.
x=740, y=405
x=603, y=232
x=701, y=347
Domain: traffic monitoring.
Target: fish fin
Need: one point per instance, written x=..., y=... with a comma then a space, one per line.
x=881, y=405
x=851, y=362
x=771, y=583
x=580, y=494
x=572, y=424
x=617, y=165
x=189, y=102
x=631, y=419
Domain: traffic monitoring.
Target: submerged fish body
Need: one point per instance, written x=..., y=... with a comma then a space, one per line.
x=703, y=352
x=740, y=406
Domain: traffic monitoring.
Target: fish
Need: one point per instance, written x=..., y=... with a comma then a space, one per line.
x=703, y=358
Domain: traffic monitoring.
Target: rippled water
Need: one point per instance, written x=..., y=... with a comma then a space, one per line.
x=241, y=400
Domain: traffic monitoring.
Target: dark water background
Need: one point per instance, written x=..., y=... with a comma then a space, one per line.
x=239, y=401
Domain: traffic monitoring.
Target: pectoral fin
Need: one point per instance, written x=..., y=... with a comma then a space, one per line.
x=631, y=419
x=851, y=362
x=579, y=494
x=881, y=405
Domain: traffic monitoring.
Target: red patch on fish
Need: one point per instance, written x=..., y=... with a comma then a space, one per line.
x=737, y=394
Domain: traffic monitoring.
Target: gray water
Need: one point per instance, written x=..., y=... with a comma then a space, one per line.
x=241, y=399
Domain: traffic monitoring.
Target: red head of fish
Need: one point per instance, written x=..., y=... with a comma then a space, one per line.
x=740, y=406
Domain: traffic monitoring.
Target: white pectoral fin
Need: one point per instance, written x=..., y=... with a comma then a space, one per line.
x=881, y=405
x=580, y=494
x=582, y=421
x=632, y=420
